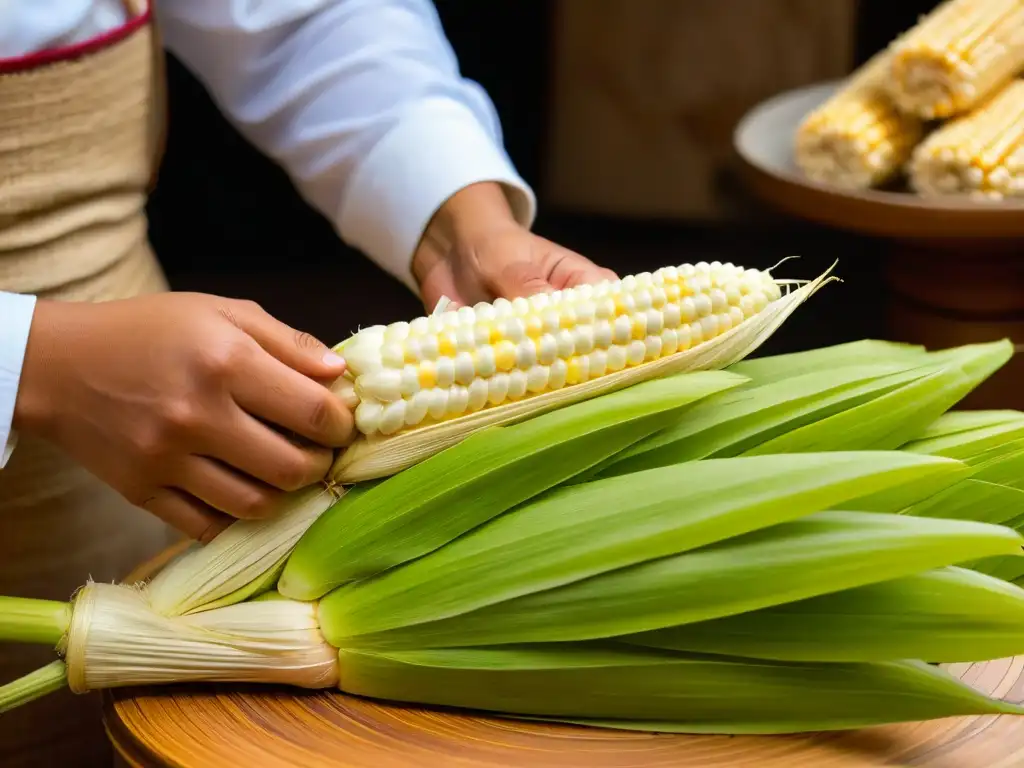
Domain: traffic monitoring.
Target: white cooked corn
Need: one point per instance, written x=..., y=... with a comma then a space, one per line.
x=456, y=362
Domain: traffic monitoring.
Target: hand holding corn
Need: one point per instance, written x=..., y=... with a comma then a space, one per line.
x=474, y=250
x=181, y=403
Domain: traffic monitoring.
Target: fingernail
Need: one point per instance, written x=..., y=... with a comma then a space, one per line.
x=333, y=359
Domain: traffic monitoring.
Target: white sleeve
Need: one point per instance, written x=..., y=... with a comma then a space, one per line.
x=16, y=312
x=361, y=101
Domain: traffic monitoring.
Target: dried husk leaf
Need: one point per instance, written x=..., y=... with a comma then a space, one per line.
x=381, y=456
x=620, y=687
x=236, y=564
x=450, y=493
x=945, y=615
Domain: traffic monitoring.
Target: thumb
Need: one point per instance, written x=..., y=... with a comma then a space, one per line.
x=298, y=350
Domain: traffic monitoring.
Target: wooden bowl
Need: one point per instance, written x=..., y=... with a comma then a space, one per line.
x=952, y=270
x=764, y=142
x=264, y=727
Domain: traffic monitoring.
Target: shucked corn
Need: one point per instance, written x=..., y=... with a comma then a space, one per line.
x=957, y=57
x=980, y=155
x=456, y=362
x=857, y=139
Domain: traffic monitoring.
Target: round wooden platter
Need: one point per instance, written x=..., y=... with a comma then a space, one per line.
x=264, y=727
x=764, y=142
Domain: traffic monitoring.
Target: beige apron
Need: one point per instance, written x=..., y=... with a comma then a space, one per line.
x=81, y=134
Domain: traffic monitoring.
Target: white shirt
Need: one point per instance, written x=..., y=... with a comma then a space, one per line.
x=360, y=101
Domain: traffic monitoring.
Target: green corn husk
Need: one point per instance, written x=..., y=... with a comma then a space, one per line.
x=855, y=407
x=581, y=531
x=819, y=554
x=965, y=434
x=661, y=691
x=773, y=368
x=945, y=615
x=428, y=505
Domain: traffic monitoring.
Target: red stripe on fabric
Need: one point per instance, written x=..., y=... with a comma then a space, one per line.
x=76, y=51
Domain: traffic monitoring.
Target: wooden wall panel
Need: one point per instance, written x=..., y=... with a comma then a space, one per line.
x=646, y=93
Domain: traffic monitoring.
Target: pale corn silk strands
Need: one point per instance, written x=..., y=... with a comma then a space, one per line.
x=608, y=595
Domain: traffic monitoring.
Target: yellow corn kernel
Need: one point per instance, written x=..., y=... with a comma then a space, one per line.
x=427, y=375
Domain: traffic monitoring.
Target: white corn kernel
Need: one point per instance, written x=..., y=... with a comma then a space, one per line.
x=445, y=368
x=478, y=391
x=557, y=372
x=564, y=344
x=583, y=339
x=669, y=341
x=458, y=400
x=622, y=329
x=465, y=371
x=497, y=388
x=368, y=415
x=537, y=378
x=652, y=346
x=526, y=354
x=516, y=384
x=636, y=352
x=616, y=357
x=709, y=326
x=547, y=349
x=410, y=380
x=484, y=361
x=392, y=418
x=598, y=363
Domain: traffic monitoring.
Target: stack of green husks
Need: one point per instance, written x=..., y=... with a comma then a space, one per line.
x=776, y=545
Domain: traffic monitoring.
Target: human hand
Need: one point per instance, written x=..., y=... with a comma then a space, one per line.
x=179, y=401
x=474, y=250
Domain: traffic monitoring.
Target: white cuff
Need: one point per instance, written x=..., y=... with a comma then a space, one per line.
x=435, y=149
x=16, y=312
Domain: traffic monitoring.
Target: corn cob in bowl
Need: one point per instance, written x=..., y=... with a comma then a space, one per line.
x=957, y=57
x=979, y=155
x=858, y=139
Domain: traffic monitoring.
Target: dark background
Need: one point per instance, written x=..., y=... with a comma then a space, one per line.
x=225, y=220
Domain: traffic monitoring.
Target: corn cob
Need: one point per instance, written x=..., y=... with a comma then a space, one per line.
x=957, y=57
x=420, y=387
x=980, y=155
x=857, y=139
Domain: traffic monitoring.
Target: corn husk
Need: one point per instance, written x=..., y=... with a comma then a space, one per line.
x=848, y=407
x=582, y=531
x=378, y=456
x=242, y=561
x=426, y=506
x=663, y=691
x=946, y=615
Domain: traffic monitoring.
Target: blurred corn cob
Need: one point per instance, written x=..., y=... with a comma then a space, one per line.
x=858, y=138
x=956, y=57
x=979, y=155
